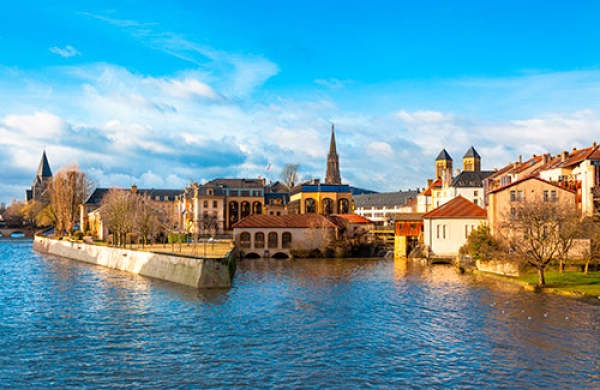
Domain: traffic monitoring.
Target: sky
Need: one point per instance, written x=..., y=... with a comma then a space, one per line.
x=164, y=93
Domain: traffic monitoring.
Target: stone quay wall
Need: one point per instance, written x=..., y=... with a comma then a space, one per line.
x=189, y=271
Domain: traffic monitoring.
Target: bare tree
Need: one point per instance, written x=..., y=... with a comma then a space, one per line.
x=117, y=213
x=14, y=215
x=68, y=189
x=147, y=217
x=533, y=231
x=289, y=175
x=591, y=232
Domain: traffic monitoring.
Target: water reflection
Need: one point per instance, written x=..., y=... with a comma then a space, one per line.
x=324, y=323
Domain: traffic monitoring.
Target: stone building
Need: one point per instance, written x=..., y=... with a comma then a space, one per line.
x=41, y=180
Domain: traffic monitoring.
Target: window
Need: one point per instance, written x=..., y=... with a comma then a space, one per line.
x=444, y=231
x=546, y=196
x=245, y=209
x=513, y=195
x=205, y=203
x=476, y=201
x=553, y=196
x=245, y=240
x=519, y=196
x=475, y=193
x=466, y=231
x=309, y=206
x=215, y=204
x=438, y=231
x=259, y=240
x=286, y=240
x=210, y=192
x=327, y=206
x=256, y=208
x=245, y=193
x=273, y=240
x=343, y=206
x=513, y=213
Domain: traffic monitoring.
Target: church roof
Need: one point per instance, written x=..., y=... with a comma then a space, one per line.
x=44, y=170
x=458, y=207
x=443, y=156
x=471, y=153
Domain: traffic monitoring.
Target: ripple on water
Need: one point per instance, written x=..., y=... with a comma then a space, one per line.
x=294, y=323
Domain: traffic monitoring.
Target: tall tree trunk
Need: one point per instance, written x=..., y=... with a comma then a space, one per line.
x=542, y=278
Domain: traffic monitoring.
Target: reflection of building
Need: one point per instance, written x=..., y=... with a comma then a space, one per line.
x=282, y=236
x=40, y=182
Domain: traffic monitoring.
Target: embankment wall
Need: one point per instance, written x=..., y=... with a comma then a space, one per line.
x=189, y=271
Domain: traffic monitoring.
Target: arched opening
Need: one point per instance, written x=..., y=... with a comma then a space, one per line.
x=280, y=256
x=259, y=240
x=252, y=256
x=245, y=209
x=245, y=240
x=256, y=208
x=233, y=213
x=309, y=206
x=272, y=240
x=327, y=206
x=343, y=206
x=286, y=240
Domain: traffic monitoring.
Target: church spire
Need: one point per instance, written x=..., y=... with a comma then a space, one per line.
x=44, y=171
x=333, y=164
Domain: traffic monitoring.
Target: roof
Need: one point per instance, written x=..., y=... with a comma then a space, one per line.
x=339, y=188
x=470, y=179
x=443, y=156
x=399, y=198
x=353, y=218
x=44, y=170
x=298, y=221
x=436, y=183
x=408, y=217
x=576, y=156
x=531, y=177
x=96, y=197
x=458, y=207
x=237, y=183
x=471, y=153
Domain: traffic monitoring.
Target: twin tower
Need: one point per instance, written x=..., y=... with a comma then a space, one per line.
x=443, y=162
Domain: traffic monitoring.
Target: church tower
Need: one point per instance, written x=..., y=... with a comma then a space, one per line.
x=333, y=164
x=40, y=182
x=443, y=165
x=472, y=160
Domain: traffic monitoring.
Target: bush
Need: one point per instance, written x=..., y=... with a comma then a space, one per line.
x=481, y=245
x=78, y=235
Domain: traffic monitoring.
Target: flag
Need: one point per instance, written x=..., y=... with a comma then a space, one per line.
x=269, y=167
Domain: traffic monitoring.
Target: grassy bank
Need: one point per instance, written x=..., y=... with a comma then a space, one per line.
x=568, y=283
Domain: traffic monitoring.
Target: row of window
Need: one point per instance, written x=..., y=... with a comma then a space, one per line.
x=549, y=196
x=441, y=231
x=343, y=206
x=259, y=240
x=246, y=193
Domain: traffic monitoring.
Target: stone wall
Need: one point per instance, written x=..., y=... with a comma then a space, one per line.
x=189, y=271
x=498, y=267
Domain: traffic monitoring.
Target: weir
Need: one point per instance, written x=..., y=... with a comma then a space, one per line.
x=187, y=270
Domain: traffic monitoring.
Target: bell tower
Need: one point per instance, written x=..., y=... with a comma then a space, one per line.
x=443, y=164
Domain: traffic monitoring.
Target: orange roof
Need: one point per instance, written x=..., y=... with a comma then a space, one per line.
x=436, y=183
x=458, y=207
x=285, y=221
x=530, y=177
x=353, y=218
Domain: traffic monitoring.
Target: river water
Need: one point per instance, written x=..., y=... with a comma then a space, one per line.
x=372, y=323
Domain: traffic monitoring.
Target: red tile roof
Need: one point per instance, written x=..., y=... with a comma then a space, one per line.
x=285, y=221
x=354, y=218
x=531, y=177
x=458, y=207
x=427, y=191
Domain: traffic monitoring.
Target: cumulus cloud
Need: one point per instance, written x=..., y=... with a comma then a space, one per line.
x=67, y=51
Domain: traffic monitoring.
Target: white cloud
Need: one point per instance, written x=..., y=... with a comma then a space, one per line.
x=381, y=150
x=67, y=51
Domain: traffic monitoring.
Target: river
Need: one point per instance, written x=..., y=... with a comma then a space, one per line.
x=343, y=324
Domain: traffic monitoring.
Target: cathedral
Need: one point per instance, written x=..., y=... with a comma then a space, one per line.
x=38, y=189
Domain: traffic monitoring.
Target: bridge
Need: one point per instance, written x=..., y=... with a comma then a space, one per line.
x=17, y=232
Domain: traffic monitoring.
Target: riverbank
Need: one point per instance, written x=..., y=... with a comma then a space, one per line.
x=179, y=268
x=569, y=284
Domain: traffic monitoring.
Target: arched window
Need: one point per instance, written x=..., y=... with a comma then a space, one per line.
x=210, y=192
x=245, y=240
x=309, y=206
x=343, y=206
x=245, y=209
x=233, y=213
x=259, y=240
x=273, y=240
x=286, y=240
x=327, y=206
x=256, y=208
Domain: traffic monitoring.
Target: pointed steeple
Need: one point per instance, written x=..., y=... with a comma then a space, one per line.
x=332, y=176
x=44, y=170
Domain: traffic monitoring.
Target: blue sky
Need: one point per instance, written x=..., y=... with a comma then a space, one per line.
x=163, y=93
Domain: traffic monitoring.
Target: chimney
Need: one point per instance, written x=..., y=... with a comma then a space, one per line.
x=564, y=156
x=429, y=182
x=520, y=159
x=457, y=171
x=594, y=144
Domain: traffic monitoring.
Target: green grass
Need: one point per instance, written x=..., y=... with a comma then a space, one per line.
x=569, y=282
